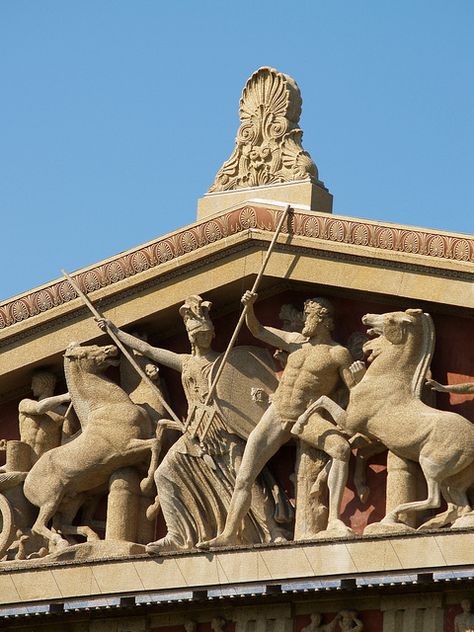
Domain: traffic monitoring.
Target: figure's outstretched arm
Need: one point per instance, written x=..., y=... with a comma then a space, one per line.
x=351, y=372
x=284, y=340
x=462, y=389
x=32, y=407
x=162, y=356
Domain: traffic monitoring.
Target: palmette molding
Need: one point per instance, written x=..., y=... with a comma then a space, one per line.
x=370, y=235
x=268, y=143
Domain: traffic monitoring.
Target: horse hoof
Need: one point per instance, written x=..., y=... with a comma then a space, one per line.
x=382, y=528
x=336, y=529
x=58, y=544
x=464, y=522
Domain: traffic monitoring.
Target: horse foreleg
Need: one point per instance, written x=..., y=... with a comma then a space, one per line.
x=83, y=530
x=431, y=502
x=326, y=403
x=45, y=514
x=143, y=445
x=458, y=505
x=69, y=511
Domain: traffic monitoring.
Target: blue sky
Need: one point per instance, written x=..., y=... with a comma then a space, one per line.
x=116, y=115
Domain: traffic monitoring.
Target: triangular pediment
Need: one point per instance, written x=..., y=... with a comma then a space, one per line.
x=218, y=256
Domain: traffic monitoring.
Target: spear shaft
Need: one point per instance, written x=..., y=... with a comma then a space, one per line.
x=122, y=348
x=244, y=312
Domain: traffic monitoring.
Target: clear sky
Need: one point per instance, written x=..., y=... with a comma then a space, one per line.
x=116, y=115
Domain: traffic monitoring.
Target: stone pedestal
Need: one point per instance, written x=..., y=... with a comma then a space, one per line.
x=123, y=505
x=304, y=194
x=404, y=484
x=18, y=456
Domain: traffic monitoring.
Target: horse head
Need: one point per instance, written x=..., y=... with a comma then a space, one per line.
x=92, y=358
x=393, y=326
x=406, y=341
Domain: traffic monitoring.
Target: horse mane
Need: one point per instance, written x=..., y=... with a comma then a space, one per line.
x=426, y=354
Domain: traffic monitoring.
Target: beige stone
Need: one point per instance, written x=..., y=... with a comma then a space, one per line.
x=268, y=144
x=314, y=367
x=325, y=259
x=413, y=613
x=115, y=433
x=302, y=195
x=35, y=580
x=212, y=442
x=442, y=442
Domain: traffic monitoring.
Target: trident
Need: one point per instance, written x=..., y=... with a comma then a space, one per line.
x=206, y=408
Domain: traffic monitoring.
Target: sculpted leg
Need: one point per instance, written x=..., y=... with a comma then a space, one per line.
x=432, y=502
x=263, y=442
x=322, y=434
x=144, y=445
x=46, y=512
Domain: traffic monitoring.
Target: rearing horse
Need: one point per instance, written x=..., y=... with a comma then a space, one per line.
x=115, y=433
x=386, y=406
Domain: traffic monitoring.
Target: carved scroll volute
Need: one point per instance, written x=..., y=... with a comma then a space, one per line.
x=268, y=143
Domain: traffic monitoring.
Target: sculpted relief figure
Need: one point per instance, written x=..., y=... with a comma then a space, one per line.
x=464, y=622
x=386, y=406
x=347, y=619
x=196, y=477
x=315, y=366
x=317, y=625
x=114, y=435
x=41, y=421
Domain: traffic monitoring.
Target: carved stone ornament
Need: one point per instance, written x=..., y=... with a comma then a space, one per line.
x=268, y=141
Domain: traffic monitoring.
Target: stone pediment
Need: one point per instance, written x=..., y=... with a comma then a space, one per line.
x=359, y=255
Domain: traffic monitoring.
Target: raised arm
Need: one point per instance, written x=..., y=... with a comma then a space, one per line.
x=462, y=389
x=351, y=372
x=32, y=407
x=162, y=356
x=285, y=340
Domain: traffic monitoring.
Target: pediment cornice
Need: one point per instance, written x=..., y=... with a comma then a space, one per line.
x=429, y=248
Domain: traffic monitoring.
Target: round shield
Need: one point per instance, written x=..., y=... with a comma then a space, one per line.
x=244, y=387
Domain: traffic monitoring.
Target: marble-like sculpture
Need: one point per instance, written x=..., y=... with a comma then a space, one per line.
x=115, y=433
x=316, y=624
x=464, y=622
x=461, y=389
x=268, y=144
x=347, y=620
x=196, y=478
x=316, y=366
x=441, y=442
x=41, y=420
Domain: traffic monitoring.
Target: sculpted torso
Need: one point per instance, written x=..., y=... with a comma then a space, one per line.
x=41, y=432
x=311, y=371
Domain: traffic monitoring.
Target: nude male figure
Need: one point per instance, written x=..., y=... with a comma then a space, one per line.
x=315, y=366
x=41, y=421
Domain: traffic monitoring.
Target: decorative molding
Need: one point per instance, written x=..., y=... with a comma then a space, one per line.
x=268, y=143
x=324, y=228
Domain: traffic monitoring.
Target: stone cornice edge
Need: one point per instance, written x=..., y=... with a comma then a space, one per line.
x=331, y=228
